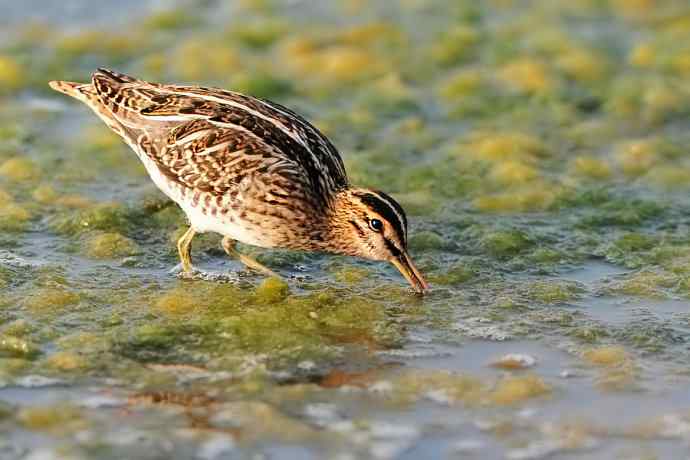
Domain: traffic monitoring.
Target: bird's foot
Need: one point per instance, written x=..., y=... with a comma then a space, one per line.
x=180, y=272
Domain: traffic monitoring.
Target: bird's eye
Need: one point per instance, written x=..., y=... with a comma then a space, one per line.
x=376, y=225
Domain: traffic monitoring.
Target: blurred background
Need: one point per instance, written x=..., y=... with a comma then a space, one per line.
x=539, y=147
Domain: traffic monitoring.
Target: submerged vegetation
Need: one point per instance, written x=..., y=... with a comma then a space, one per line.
x=540, y=149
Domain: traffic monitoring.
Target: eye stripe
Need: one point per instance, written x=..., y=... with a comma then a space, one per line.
x=387, y=208
x=396, y=207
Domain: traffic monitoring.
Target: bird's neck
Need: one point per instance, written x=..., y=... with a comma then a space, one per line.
x=335, y=231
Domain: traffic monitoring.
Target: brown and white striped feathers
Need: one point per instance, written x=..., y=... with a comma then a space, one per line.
x=247, y=168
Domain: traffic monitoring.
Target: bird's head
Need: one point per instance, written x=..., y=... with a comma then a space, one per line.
x=372, y=225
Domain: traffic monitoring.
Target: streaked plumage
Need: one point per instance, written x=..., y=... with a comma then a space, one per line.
x=249, y=169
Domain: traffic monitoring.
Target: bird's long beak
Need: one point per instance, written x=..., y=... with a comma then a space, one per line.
x=410, y=272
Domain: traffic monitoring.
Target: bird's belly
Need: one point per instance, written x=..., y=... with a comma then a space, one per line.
x=228, y=224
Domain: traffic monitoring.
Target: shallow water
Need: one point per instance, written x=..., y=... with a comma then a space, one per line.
x=540, y=149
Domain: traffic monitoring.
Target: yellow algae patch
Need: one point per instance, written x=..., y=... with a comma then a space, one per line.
x=637, y=157
x=527, y=75
x=206, y=297
x=618, y=367
x=512, y=172
x=670, y=176
x=513, y=390
x=455, y=44
x=456, y=388
x=12, y=75
x=536, y=197
x=5, y=198
x=681, y=64
x=74, y=201
x=17, y=347
x=503, y=146
x=271, y=290
x=154, y=65
x=342, y=63
x=373, y=33
x=199, y=59
x=19, y=169
x=98, y=42
x=606, y=356
x=109, y=245
x=591, y=167
x=453, y=388
x=643, y=55
x=45, y=194
x=169, y=19
x=10, y=367
x=645, y=284
x=392, y=87
x=58, y=418
x=551, y=291
x=582, y=65
x=13, y=217
x=461, y=84
x=176, y=302
x=259, y=421
x=662, y=101
x=67, y=361
x=347, y=63
x=51, y=299
x=634, y=9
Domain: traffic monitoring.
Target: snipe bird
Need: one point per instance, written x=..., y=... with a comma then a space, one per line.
x=248, y=169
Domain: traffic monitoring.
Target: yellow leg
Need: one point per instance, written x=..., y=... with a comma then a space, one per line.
x=184, y=247
x=229, y=247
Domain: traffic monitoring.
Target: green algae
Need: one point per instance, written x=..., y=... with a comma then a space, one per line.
x=551, y=292
x=12, y=74
x=13, y=217
x=259, y=34
x=506, y=244
x=303, y=323
x=6, y=410
x=224, y=319
x=263, y=85
x=15, y=347
x=271, y=291
x=56, y=419
x=459, y=388
x=109, y=246
x=516, y=389
x=459, y=273
x=523, y=153
x=427, y=241
x=645, y=283
x=51, y=300
x=455, y=45
x=106, y=217
x=468, y=389
x=19, y=169
x=170, y=20
x=351, y=275
x=67, y=362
